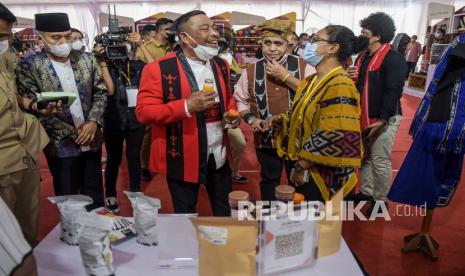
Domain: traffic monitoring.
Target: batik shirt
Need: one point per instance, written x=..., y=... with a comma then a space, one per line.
x=36, y=74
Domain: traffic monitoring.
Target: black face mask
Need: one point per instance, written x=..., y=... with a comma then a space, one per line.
x=363, y=43
x=171, y=38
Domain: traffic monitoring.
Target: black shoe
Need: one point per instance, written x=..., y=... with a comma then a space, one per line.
x=146, y=175
x=111, y=204
x=361, y=197
x=240, y=179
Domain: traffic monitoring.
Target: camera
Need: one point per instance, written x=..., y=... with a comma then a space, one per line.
x=110, y=39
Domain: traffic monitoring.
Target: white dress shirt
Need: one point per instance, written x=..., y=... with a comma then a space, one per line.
x=68, y=83
x=214, y=130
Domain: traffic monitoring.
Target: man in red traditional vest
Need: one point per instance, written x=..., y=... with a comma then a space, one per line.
x=189, y=145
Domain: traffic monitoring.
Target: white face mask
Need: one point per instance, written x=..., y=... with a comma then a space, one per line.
x=77, y=45
x=4, y=45
x=203, y=52
x=61, y=50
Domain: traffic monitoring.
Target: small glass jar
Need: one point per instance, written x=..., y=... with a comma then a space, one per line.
x=208, y=86
x=284, y=193
x=234, y=198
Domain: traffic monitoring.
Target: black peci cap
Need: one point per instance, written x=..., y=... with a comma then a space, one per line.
x=52, y=22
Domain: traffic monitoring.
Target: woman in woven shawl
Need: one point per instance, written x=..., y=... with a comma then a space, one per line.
x=321, y=131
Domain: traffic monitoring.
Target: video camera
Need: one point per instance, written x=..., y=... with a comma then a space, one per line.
x=109, y=40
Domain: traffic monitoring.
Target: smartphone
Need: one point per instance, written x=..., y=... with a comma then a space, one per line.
x=44, y=103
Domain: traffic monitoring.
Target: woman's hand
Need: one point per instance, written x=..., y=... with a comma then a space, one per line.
x=275, y=123
x=301, y=172
x=259, y=126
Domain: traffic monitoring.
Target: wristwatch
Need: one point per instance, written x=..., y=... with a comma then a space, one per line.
x=249, y=118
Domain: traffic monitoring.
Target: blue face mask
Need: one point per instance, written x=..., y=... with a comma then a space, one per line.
x=310, y=55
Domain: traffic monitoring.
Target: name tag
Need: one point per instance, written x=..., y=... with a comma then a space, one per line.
x=131, y=93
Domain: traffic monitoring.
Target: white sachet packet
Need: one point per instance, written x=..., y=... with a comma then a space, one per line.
x=70, y=207
x=145, y=212
x=94, y=244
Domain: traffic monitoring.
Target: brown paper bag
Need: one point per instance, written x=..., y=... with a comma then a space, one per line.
x=330, y=230
x=227, y=246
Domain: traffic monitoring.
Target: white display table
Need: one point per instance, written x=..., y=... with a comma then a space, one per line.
x=177, y=239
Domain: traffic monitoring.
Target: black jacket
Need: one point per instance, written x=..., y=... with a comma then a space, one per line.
x=440, y=110
x=385, y=86
x=117, y=114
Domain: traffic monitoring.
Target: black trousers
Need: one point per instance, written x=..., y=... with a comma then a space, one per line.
x=114, y=142
x=219, y=185
x=411, y=67
x=271, y=169
x=82, y=174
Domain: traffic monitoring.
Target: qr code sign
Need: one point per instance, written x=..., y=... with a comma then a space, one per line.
x=289, y=245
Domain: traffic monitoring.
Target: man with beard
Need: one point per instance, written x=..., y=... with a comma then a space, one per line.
x=75, y=149
x=189, y=143
x=267, y=88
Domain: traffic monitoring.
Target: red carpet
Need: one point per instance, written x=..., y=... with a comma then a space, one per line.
x=376, y=243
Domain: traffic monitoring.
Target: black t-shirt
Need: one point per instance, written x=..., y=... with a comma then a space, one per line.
x=117, y=114
x=363, y=72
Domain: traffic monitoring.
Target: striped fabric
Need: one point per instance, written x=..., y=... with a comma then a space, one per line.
x=13, y=246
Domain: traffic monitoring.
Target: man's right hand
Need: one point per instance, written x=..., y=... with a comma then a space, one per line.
x=98, y=48
x=200, y=101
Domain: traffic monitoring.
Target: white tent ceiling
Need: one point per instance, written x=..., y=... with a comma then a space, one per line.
x=23, y=23
x=409, y=15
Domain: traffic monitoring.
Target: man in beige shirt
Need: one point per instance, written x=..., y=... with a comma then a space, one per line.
x=160, y=43
x=158, y=46
x=22, y=138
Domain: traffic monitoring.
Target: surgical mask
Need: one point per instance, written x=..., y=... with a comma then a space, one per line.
x=77, y=45
x=203, y=52
x=369, y=42
x=61, y=50
x=304, y=42
x=310, y=55
x=4, y=45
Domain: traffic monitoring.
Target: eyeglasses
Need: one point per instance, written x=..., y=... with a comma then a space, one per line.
x=316, y=38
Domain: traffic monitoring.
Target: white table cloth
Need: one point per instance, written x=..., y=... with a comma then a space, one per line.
x=176, y=240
